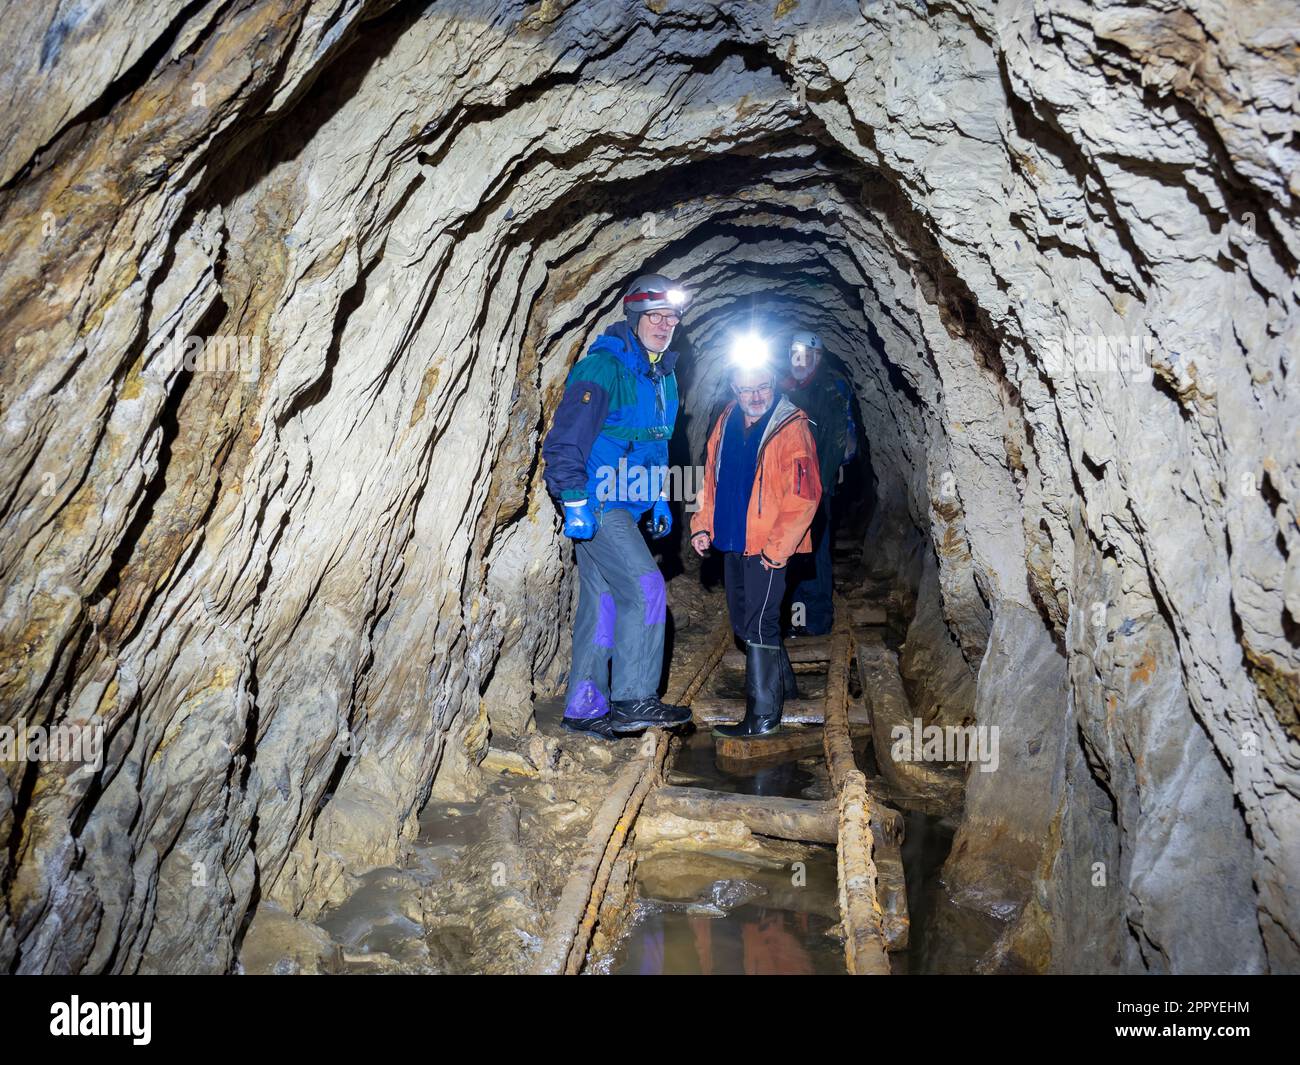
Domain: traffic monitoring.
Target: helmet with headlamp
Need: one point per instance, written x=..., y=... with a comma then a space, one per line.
x=654, y=292
x=805, y=343
x=749, y=353
x=805, y=351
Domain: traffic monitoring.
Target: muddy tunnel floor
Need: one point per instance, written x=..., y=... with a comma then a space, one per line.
x=476, y=886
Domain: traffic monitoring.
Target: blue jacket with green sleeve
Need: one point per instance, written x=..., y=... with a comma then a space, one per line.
x=609, y=441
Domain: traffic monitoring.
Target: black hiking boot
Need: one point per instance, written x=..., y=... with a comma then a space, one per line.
x=599, y=727
x=633, y=715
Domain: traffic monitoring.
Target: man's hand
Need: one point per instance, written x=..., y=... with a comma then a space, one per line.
x=661, y=519
x=701, y=541
x=579, y=521
x=769, y=563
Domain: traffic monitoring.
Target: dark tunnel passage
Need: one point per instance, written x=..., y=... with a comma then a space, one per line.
x=290, y=295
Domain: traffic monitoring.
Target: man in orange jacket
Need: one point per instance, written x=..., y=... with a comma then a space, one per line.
x=760, y=494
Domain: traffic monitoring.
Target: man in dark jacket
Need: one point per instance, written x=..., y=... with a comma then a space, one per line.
x=606, y=461
x=825, y=397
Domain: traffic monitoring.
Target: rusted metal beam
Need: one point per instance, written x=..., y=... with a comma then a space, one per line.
x=835, y=732
x=865, y=950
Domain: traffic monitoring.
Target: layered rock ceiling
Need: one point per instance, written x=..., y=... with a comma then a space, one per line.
x=294, y=594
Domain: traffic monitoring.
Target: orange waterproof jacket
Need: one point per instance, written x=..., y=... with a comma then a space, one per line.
x=787, y=487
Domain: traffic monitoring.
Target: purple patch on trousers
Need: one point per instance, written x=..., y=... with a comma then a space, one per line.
x=605, y=621
x=656, y=597
x=586, y=701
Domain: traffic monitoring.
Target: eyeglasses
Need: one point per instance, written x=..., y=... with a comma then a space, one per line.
x=751, y=393
x=662, y=317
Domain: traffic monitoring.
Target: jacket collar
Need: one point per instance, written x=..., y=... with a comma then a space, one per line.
x=784, y=413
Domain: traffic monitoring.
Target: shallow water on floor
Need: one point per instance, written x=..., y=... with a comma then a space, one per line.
x=711, y=913
x=944, y=938
x=748, y=940
x=703, y=913
x=381, y=926
x=696, y=765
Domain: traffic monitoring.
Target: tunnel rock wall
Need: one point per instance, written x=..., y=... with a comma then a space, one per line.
x=294, y=596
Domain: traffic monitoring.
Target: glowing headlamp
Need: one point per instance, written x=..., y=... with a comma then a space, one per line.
x=749, y=351
x=676, y=298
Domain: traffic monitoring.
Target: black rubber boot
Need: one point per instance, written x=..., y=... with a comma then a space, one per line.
x=764, y=694
x=789, y=689
x=633, y=715
x=600, y=727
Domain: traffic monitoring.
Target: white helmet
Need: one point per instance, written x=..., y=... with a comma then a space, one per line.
x=810, y=341
x=654, y=292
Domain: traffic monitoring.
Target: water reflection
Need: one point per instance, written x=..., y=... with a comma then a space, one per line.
x=707, y=913
x=702, y=913
x=749, y=941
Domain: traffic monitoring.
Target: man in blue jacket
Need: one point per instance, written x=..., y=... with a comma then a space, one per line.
x=606, y=461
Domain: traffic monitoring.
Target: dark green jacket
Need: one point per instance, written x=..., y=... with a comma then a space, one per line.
x=825, y=399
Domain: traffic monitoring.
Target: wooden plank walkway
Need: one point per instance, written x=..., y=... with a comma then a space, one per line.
x=866, y=832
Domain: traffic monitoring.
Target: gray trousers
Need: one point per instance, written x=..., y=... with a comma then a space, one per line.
x=622, y=604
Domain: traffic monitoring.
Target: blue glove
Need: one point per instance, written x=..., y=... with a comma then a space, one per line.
x=579, y=521
x=661, y=519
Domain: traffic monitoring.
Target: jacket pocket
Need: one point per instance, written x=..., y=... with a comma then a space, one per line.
x=803, y=485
